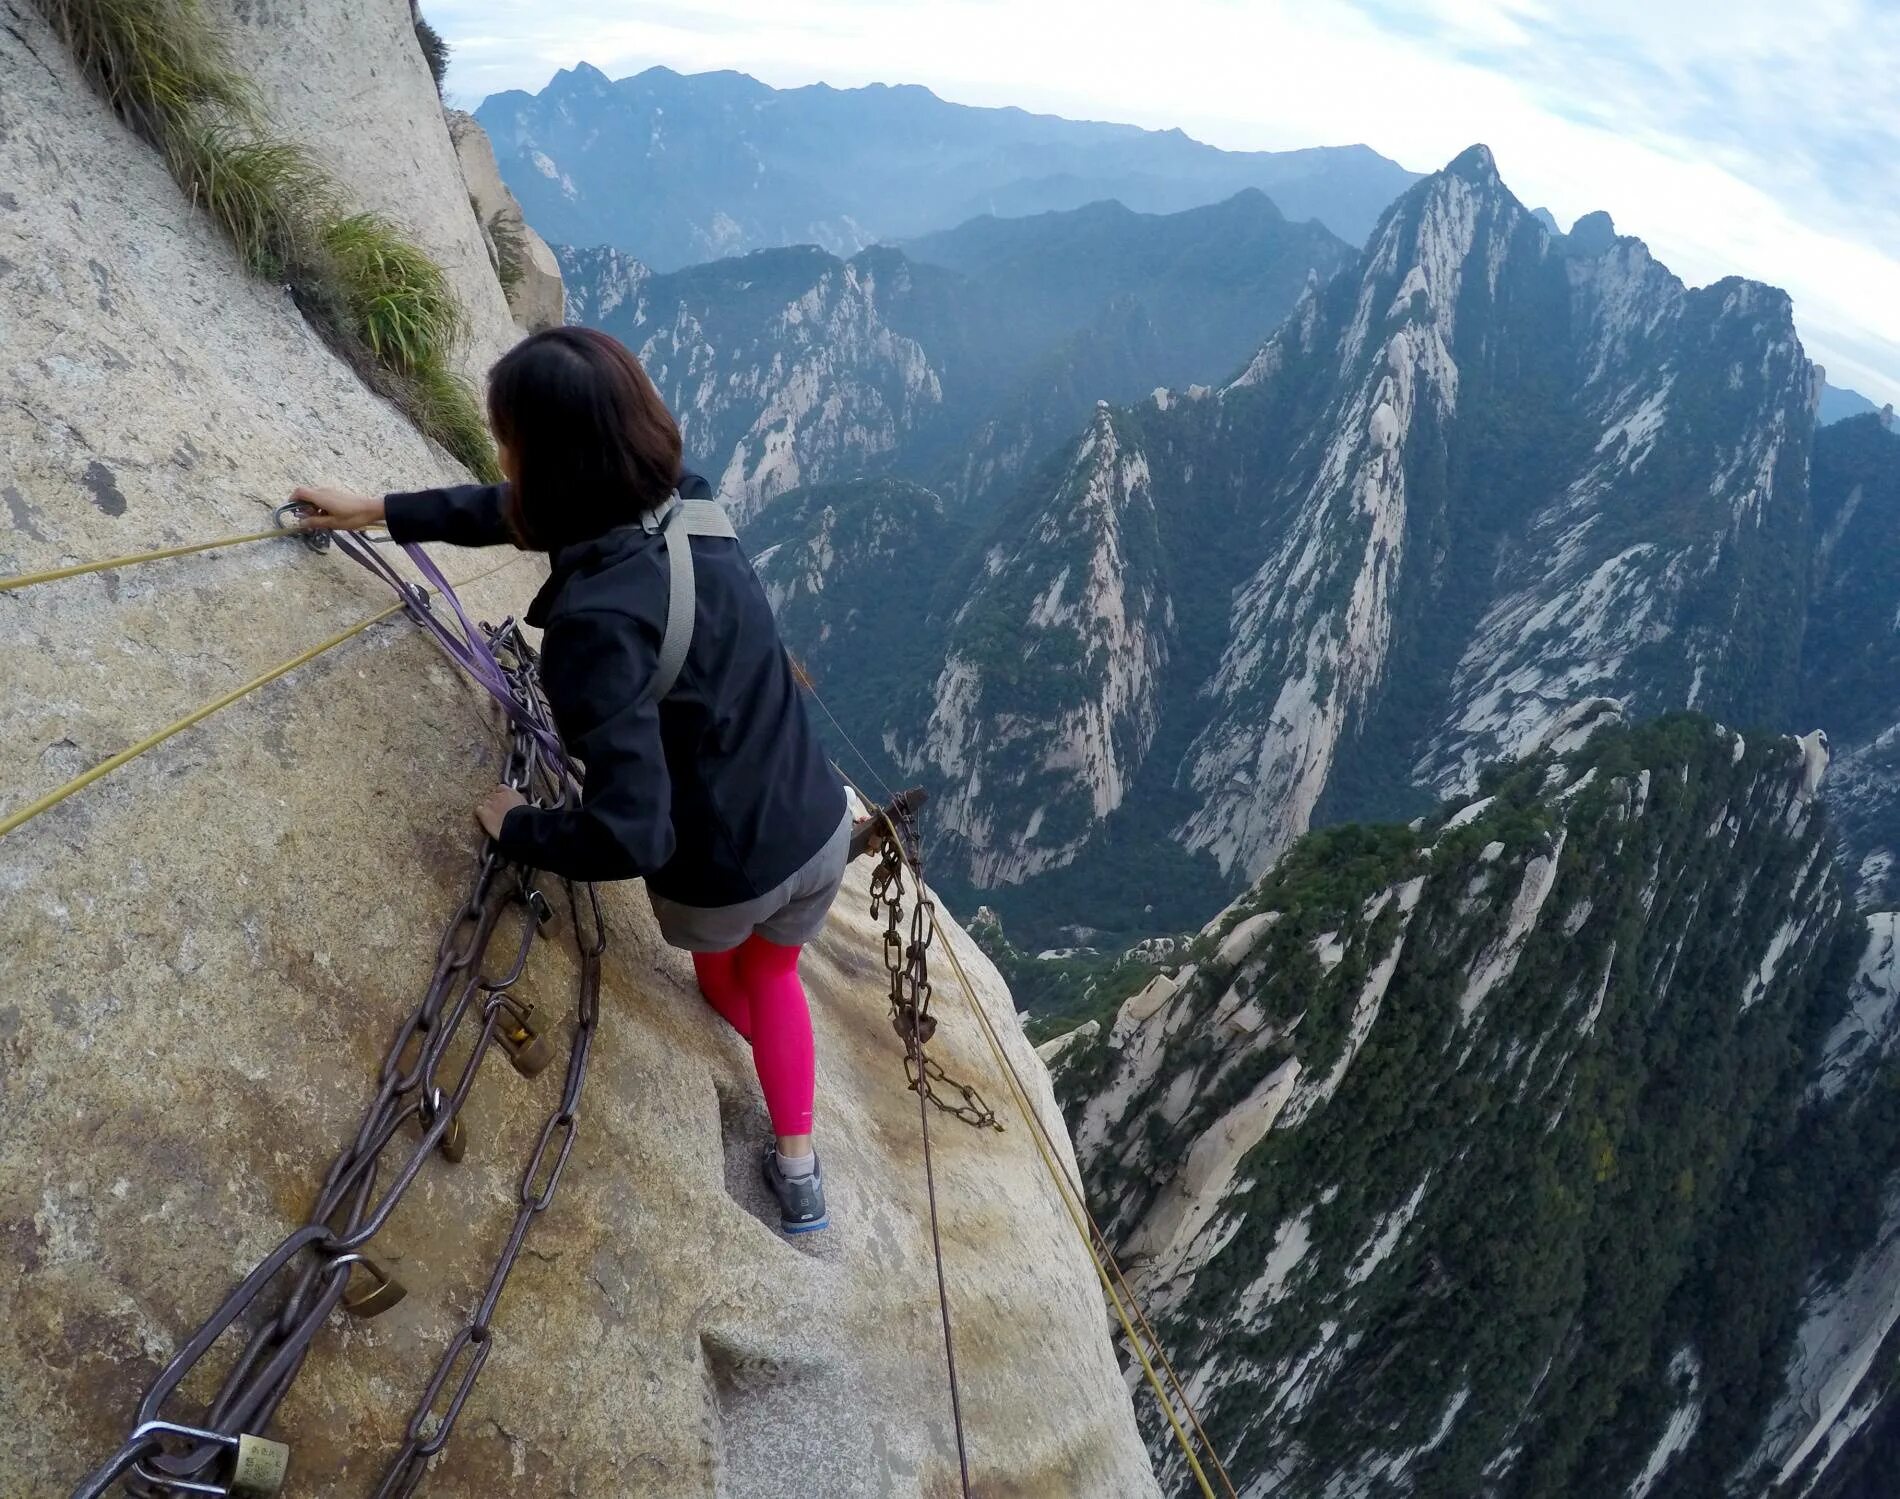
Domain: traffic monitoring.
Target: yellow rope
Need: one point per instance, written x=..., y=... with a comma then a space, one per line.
x=1058, y=1177
x=197, y=715
x=1093, y=1234
x=27, y=580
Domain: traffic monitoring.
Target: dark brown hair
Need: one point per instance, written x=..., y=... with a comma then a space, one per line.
x=594, y=445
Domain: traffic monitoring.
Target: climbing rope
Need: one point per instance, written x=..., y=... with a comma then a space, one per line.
x=54, y=574
x=1099, y=1251
x=909, y=969
x=197, y=715
x=900, y=834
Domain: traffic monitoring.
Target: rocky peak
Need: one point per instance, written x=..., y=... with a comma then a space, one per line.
x=599, y=283
x=1049, y=690
x=1468, y=482
x=1476, y=165
x=1592, y=234
x=582, y=81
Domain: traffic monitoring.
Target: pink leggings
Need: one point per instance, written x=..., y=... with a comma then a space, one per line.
x=755, y=986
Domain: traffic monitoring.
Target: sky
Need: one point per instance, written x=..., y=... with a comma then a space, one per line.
x=1736, y=137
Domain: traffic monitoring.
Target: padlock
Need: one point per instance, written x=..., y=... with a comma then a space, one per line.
x=380, y=1297
x=904, y=1018
x=454, y=1141
x=526, y=1038
x=260, y=1467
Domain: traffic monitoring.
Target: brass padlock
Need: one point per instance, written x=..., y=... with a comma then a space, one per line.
x=454, y=1141
x=526, y=1039
x=379, y=1298
x=260, y=1468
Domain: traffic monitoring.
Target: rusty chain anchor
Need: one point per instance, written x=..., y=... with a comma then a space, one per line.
x=893, y=835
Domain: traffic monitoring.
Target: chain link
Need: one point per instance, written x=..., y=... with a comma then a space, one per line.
x=304, y=1279
x=908, y=965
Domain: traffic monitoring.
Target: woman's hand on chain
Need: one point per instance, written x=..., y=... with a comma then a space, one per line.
x=493, y=808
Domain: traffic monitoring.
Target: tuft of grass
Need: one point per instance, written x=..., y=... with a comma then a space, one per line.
x=264, y=194
x=445, y=406
x=399, y=299
x=160, y=65
x=164, y=66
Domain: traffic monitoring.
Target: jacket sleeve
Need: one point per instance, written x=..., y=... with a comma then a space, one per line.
x=595, y=667
x=464, y=515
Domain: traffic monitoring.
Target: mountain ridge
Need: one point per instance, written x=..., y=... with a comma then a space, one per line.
x=792, y=365
x=1553, y=1005
x=728, y=164
x=1427, y=488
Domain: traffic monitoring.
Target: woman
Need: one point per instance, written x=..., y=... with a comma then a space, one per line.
x=718, y=795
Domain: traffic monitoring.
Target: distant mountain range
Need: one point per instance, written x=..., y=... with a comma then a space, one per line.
x=1545, y=1145
x=677, y=169
x=961, y=358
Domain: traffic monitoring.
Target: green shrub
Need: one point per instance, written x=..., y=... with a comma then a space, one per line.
x=164, y=66
x=435, y=51
x=511, y=250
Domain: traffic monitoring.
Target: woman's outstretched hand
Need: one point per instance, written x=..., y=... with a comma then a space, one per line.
x=491, y=809
x=337, y=509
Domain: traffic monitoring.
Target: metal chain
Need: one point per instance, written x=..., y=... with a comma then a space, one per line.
x=312, y=1267
x=909, y=967
x=538, y=1181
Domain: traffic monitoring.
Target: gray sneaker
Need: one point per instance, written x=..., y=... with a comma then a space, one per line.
x=801, y=1199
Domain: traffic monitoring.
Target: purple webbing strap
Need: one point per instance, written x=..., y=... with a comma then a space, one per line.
x=468, y=648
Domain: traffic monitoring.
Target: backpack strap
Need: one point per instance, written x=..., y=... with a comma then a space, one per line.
x=677, y=521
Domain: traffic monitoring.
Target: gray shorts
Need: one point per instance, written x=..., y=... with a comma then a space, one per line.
x=790, y=915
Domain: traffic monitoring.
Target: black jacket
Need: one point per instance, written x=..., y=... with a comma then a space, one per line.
x=715, y=795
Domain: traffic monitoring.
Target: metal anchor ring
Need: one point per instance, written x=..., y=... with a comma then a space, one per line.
x=317, y=541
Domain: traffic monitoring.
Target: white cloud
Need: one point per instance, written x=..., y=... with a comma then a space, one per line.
x=1749, y=138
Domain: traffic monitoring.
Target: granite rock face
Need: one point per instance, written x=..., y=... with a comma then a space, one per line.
x=207, y=950
x=347, y=80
